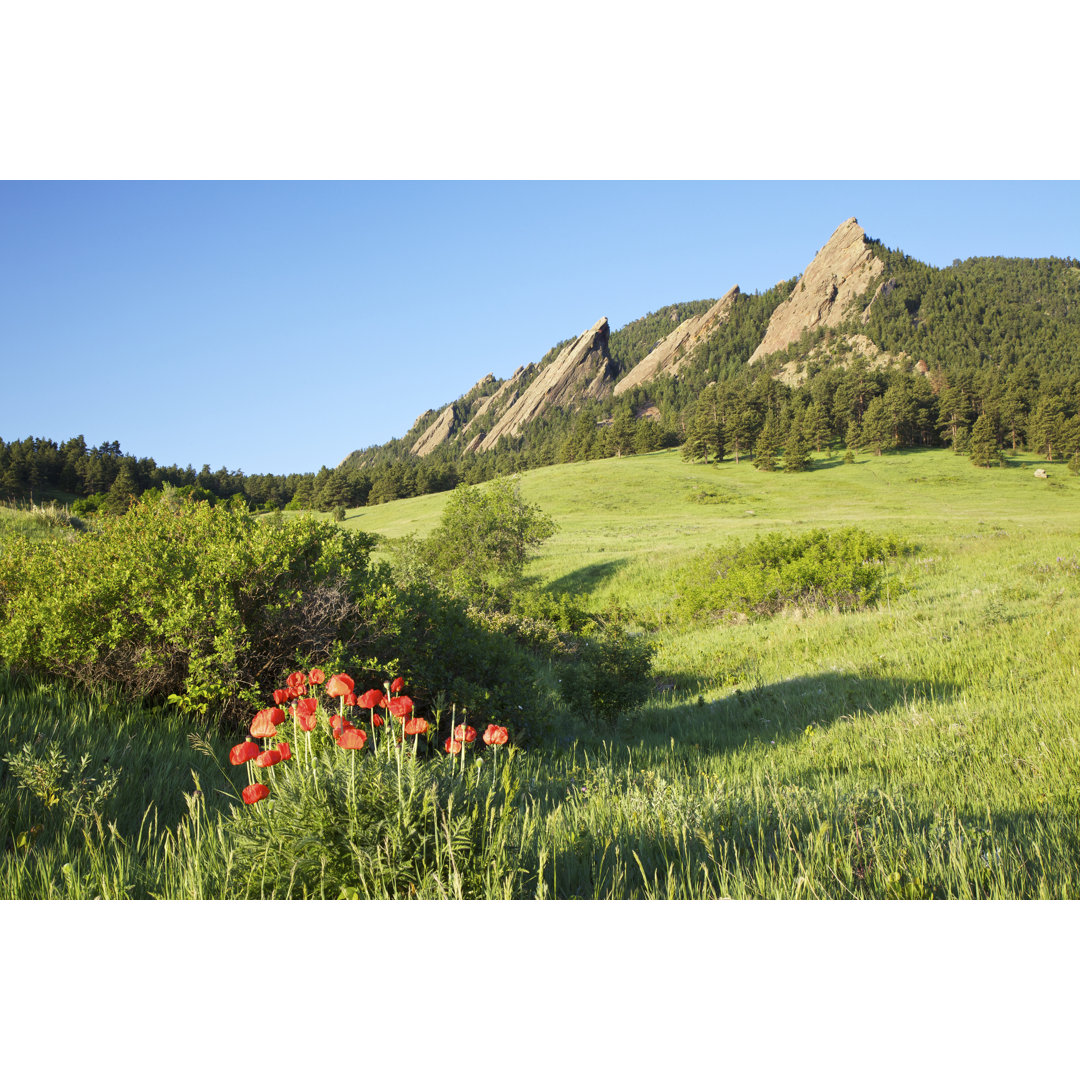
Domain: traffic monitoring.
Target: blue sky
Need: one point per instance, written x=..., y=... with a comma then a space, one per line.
x=275, y=327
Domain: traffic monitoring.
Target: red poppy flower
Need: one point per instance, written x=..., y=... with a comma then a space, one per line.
x=281, y=696
x=339, y=685
x=284, y=750
x=397, y=684
x=316, y=676
x=495, y=735
x=468, y=734
x=296, y=681
x=400, y=706
x=339, y=724
x=351, y=739
x=371, y=700
x=263, y=725
x=254, y=792
x=415, y=726
x=268, y=758
x=304, y=711
x=452, y=746
x=350, y=699
x=376, y=720
x=244, y=751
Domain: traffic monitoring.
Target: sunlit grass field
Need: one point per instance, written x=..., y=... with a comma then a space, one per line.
x=924, y=747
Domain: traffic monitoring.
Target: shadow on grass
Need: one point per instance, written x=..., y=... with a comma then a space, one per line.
x=784, y=709
x=585, y=579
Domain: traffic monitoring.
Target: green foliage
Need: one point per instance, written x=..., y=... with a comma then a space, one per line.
x=843, y=569
x=377, y=828
x=189, y=602
x=611, y=674
x=983, y=449
x=484, y=538
x=64, y=794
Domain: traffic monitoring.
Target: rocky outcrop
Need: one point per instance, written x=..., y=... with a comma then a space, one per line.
x=842, y=352
x=437, y=434
x=675, y=349
x=583, y=369
x=506, y=394
x=842, y=270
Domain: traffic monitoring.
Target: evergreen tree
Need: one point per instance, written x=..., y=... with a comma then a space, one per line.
x=796, y=451
x=767, y=446
x=877, y=427
x=122, y=493
x=983, y=449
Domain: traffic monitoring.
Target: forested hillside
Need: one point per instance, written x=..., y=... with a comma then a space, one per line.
x=982, y=356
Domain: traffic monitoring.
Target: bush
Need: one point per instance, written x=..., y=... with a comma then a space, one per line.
x=484, y=537
x=611, y=674
x=844, y=569
x=199, y=605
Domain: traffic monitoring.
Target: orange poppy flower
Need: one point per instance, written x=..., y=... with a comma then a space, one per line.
x=263, y=725
x=466, y=734
x=351, y=739
x=339, y=685
x=397, y=684
x=284, y=750
x=296, y=681
x=304, y=711
x=281, y=696
x=268, y=758
x=400, y=706
x=316, y=676
x=370, y=700
x=350, y=699
x=415, y=726
x=452, y=746
x=244, y=751
x=495, y=735
x=254, y=792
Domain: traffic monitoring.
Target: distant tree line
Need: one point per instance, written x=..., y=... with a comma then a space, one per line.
x=999, y=340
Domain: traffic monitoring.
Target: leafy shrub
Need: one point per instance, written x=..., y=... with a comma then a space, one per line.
x=455, y=650
x=611, y=673
x=484, y=537
x=844, y=569
x=185, y=601
x=387, y=831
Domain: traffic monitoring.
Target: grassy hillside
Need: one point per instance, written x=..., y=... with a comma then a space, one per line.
x=924, y=746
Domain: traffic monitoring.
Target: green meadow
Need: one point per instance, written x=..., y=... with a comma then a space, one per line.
x=923, y=746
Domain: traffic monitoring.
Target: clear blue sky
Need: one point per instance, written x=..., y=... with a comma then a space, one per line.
x=275, y=327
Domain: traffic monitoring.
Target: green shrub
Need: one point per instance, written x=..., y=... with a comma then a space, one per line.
x=843, y=569
x=484, y=538
x=201, y=605
x=376, y=828
x=609, y=675
x=451, y=649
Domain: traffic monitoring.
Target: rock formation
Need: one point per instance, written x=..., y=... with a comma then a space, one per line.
x=675, y=349
x=841, y=270
x=583, y=369
x=437, y=434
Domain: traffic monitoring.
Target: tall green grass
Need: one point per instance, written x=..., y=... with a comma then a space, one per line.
x=927, y=746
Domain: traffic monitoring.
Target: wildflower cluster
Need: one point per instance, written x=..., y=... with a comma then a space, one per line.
x=388, y=709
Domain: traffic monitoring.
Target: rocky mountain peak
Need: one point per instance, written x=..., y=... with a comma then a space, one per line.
x=583, y=369
x=674, y=350
x=840, y=271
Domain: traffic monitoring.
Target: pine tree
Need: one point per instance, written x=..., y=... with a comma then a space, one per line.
x=796, y=451
x=767, y=446
x=876, y=426
x=983, y=449
x=122, y=493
